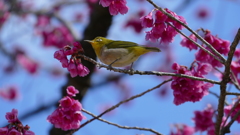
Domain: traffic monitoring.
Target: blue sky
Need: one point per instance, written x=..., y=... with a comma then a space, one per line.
x=150, y=111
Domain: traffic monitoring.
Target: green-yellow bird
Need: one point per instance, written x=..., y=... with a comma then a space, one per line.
x=118, y=53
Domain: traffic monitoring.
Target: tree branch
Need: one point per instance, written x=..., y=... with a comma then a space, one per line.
x=145, y=72
x=197, y=44
x=124, y=127
x=225, y=80
x=233, y=93
x=117, y=105
x=188, y=28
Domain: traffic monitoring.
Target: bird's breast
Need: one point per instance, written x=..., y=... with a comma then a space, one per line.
x=122, y=56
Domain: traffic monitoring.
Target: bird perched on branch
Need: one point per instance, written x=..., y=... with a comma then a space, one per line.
x=118, y=53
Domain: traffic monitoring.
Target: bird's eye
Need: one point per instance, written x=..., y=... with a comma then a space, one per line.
x=99, y=40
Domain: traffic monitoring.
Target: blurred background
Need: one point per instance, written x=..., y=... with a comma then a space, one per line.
x=32, y=81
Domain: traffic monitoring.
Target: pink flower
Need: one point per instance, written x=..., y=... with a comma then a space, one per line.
x=15, y=127
x=4, y=131
x=4, y=16
x=13, y=131
x=11, y=93
x=12, y=117
x=237, y=53
x=204, y=68
x=115, y=6
x=118, y=6
x=161, y=30
x=222, y=46
x=73, y=65
x=71, y=91
x=182, y=129
x=42, y=21
x=160, y=17
x=203, y=119
x=59, y=55
x=189, y=44
x=66, y=102
x=147, y=21
x=28, y=132
x=105, y=3
x=68, y=115
x=28, y=64
x=203, y=12
x=82, y=70
x=229, y=107
x=235, y=66
x=58, y=37
x=135, y=24
x=72, y=68
x=185, y=89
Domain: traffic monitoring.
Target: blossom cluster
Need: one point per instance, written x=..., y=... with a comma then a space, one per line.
x=134, y=22
x=10, y=93
x=4, y=13
x=57, y=36
x=185, y=89
x=15, y=126
x=203, y=119
x=228, y=108
x=115, y=6
x=74, y=65
x=68, y=115
x=182, y=129
x=222, y=46
x=235, y=65
x=160, y=28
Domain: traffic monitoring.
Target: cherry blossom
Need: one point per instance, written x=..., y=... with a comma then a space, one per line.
x=68, y=115
x=74, y=65
x=185, y=89
x=161, y=30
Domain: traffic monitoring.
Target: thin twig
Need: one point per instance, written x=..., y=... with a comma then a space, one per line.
x=51, y=14
x=234, y=80
x=118, y=104
x=188, y=28
x=216, y=95
x=197, y=44
x=233, y=108
x=130, y=72
x=124, y=127
x=226, y=129
x=226, y=79
x=233, y=93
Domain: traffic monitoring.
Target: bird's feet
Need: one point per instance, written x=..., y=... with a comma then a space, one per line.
x=110, y=67
x=131, y=71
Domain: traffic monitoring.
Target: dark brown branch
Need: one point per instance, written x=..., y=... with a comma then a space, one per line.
x=197, y=44
x=146, y=72
x=225, y=80
x=188, y=28
x=124, y=127
x=233, y=93
x=117, y=105
x=226, y=129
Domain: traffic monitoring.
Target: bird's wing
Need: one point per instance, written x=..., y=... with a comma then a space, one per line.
x=120, y=44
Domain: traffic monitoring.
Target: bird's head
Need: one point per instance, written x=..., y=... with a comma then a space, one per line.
x=99, y=41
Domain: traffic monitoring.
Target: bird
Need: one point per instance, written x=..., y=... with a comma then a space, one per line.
x=116, y=53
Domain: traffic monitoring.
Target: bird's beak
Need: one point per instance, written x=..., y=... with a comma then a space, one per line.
x=89, y=41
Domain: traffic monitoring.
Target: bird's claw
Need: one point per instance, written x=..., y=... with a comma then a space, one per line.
x=110, y=67
x=131, y=71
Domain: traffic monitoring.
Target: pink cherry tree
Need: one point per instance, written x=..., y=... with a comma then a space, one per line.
x=59, y=27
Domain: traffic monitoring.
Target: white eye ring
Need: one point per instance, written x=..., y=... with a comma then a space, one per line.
x=99, y=40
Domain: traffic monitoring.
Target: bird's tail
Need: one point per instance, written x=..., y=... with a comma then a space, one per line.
x=153, y=49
